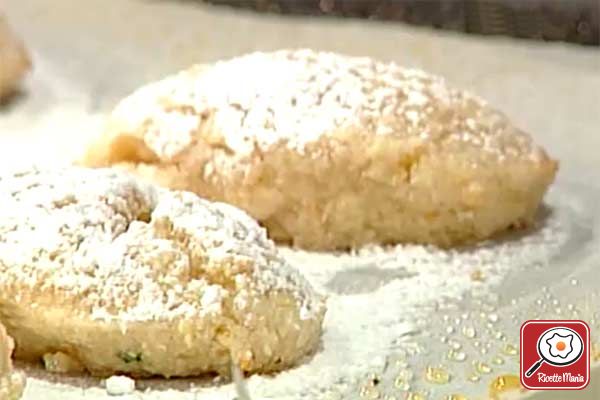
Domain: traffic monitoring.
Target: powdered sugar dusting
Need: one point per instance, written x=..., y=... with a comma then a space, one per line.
x=297, y=97
x=123, y=250
x=402, y=281
x=362, y=327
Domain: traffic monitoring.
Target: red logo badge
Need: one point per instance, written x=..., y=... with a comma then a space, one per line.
x=555, y=355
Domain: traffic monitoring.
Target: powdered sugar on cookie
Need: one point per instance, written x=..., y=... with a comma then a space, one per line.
x=123, y=250
x=298, y=97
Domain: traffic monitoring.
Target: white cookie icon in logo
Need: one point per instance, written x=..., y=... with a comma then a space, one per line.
x=560, y=345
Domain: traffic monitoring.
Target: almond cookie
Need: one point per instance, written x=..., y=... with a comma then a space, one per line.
x=330, y=151
x=99, y=271
x=14, y=59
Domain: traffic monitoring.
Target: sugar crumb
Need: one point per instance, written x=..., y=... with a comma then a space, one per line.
x=118, y=385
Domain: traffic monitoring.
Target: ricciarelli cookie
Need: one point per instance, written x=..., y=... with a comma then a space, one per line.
x=330, y=151
x=101, y=272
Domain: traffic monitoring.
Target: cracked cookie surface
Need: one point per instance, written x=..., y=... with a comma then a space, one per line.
x=102, y=272
x=330, y=151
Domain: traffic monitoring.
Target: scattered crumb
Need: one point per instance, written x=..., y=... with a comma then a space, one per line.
x=477, y=276
x=60, y=362
x=118, y=385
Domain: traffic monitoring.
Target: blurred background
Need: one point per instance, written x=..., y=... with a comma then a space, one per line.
x=569, y=20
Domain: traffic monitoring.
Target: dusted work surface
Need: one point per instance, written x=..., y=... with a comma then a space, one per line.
x=87, y=55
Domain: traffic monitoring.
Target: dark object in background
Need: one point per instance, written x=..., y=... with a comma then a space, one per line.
x=573, y=21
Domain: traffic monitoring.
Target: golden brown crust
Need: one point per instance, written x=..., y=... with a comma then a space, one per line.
x=112, y=275
x=329, y=151
x=12, y=383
